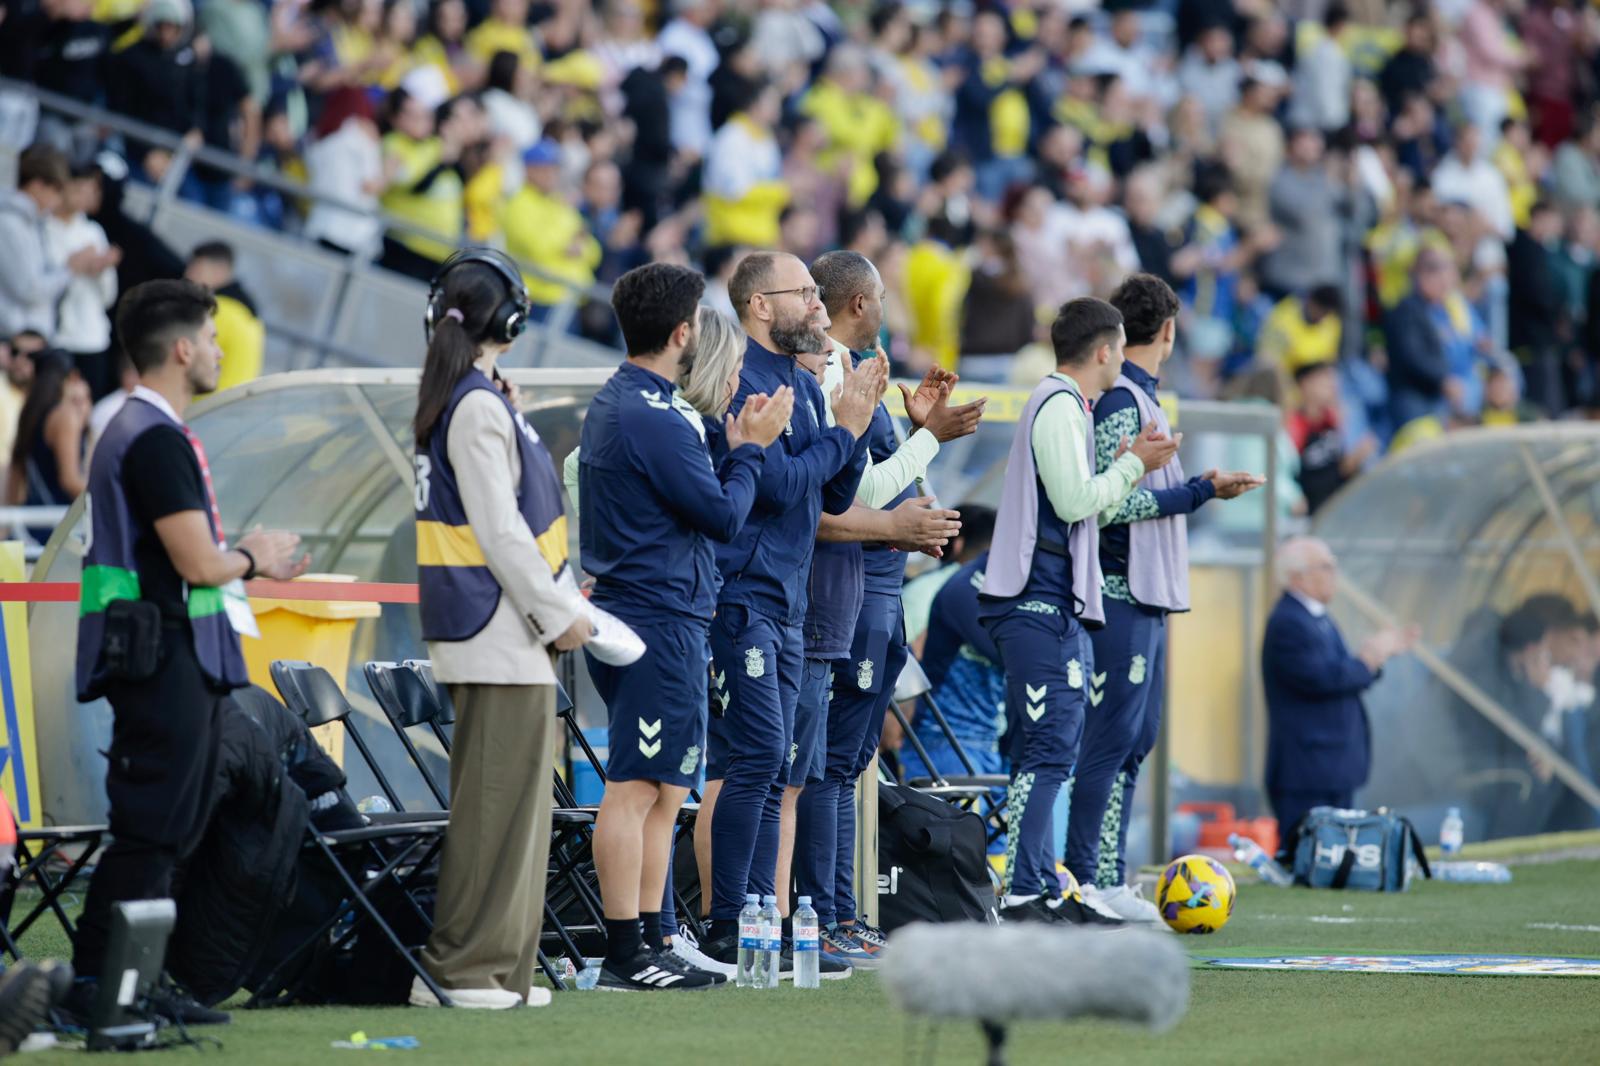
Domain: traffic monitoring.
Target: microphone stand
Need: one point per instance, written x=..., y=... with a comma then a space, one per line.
x=996, y=1035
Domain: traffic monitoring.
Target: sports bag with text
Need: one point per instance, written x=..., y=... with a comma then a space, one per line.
x=1366, y=850
x=933, y=863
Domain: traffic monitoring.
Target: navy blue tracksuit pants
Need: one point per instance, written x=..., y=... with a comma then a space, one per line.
x=1125, y=694
x=1048, y=659
x=825, y=837
x=756, y=665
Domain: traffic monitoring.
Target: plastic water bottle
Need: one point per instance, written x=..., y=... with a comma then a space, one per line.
x=751, y=957
x=589, y=976
x=807, y=946
x=1486, y=873
x=375, y=805
x=771, y=942
x=1254, y=856
x=1451, y=832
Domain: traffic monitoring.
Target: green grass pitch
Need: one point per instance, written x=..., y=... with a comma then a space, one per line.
x=1234, y=1016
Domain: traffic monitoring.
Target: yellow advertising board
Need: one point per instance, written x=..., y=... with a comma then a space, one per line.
x=19, y=757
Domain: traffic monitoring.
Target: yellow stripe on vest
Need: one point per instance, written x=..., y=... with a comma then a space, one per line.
x=553, y=544
x=439, y=544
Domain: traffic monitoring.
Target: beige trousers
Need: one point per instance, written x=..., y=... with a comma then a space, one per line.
x=497, y=849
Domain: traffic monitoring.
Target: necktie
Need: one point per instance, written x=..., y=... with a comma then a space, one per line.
x=211, y=493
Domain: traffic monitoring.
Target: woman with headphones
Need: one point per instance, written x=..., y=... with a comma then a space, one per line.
x=498, y=600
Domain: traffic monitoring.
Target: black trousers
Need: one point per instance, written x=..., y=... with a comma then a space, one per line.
x=160, y=784
x=1291, y=805
x=403, y=260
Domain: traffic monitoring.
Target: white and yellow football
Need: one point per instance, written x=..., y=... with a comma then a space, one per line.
x=1195, y=894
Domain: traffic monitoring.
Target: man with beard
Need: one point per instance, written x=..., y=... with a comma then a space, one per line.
x=757, y=642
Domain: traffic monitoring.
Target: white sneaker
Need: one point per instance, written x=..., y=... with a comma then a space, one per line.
x=538, y=996
x=468, y=998
x=1122, y=901
x=687, y=948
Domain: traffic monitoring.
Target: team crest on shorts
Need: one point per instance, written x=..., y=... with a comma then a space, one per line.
x=691, y=760
x=1136, y=670
x=1074, y=674
x=755, y=663
x=864, y=674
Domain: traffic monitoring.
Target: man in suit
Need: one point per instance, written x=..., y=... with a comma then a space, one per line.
x=1318, y=748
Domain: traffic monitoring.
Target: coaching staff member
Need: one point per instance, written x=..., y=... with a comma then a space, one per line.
x=161, y=599
x=1318, y=743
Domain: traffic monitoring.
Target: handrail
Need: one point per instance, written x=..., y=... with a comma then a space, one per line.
x=183, y=155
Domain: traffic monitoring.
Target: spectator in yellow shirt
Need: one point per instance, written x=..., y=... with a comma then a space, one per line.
x=505, y=30
x=424, y=187
x=742, y=181
x=859, y=125
x=1302, y=330
x=240, y=332
x=936, y=281
x=444, y=47
x=544, y=231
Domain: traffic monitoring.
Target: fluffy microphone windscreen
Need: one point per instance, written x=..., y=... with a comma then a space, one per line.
x=1012, y=972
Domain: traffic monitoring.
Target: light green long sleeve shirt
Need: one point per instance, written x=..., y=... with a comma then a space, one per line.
x=881, y=482
x=1060, y=454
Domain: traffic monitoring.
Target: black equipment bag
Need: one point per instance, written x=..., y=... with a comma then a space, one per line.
x=933, y=863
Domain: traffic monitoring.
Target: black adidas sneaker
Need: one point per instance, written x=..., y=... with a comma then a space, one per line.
x=651, y=971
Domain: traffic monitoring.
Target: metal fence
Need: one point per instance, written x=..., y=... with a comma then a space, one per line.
x=319, y=308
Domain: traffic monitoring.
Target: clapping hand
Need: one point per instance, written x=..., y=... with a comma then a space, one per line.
x=761, y=419
x=1233, y=484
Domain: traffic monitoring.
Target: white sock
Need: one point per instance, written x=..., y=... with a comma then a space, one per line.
x=1017, y=901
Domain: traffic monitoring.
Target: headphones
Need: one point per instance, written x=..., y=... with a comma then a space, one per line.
x=510, y=316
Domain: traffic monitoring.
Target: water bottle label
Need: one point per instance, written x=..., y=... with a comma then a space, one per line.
x=750, y=936
x=805, y=938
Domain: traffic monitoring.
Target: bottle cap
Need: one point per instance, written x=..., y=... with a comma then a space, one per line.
x=751, y=897
x=769, y=899
x=805, y=901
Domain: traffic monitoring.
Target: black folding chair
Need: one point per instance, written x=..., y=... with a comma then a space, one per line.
x=391, y=855
x=411, y=698
x=43, y=861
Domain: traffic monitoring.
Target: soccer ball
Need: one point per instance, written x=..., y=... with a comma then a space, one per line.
x=1195, y=894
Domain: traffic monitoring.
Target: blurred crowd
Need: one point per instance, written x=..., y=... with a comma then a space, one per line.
x=1384, y=217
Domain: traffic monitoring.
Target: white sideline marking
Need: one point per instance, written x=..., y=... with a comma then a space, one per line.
x=1558, y=927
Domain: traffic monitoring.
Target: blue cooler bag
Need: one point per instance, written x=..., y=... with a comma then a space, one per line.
x=1364, y=850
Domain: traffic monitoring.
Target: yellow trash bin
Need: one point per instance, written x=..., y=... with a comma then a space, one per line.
x=315, y=631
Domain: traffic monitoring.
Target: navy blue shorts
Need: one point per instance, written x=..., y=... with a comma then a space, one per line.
x=656, y=708
x=811, y=722
x=1048, y=659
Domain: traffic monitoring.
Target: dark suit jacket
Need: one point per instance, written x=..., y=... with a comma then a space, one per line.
x=1317, y=736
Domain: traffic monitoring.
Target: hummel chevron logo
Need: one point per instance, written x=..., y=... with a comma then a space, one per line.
x=1036, y=694
x=649, y=729
x=1035, y=711
x=649, y=749
x=1098, y=680
x=654, y=400
x=721, y=679
x=724, y=698
x=1095, y=696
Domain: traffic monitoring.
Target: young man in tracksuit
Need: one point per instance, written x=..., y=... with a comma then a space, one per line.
x=757, y=643
x=1042, y=585
x=653, y=507
x=858, y=565
x=1144, y=556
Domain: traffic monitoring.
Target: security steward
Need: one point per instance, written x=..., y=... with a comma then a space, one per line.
x=161, y=607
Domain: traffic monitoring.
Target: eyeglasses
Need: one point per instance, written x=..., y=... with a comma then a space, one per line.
x=807, y=294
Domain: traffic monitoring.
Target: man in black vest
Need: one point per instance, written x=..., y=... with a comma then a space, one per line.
x=162, y=598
